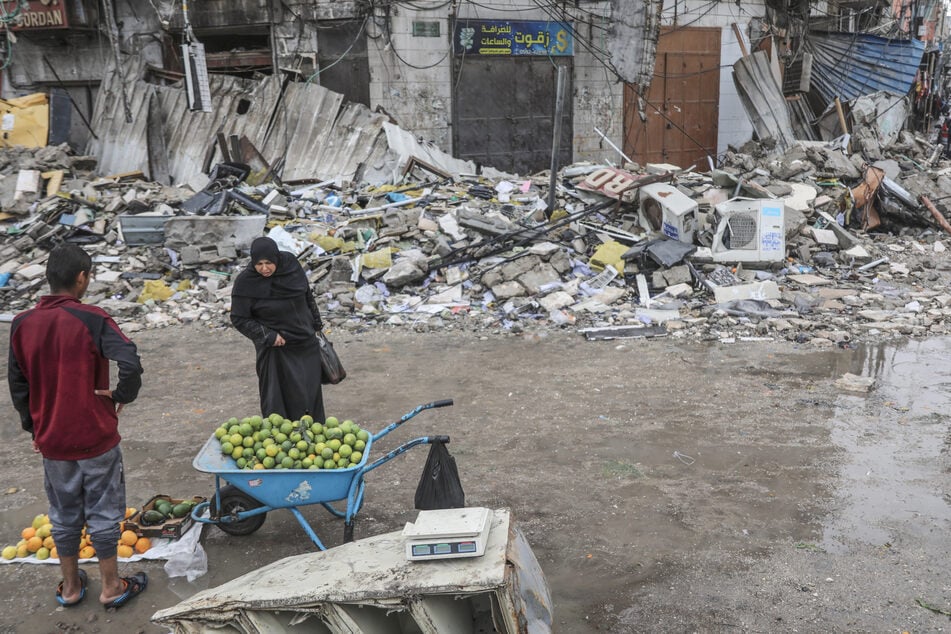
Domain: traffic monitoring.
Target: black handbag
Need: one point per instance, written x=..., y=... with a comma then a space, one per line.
x=331, y=370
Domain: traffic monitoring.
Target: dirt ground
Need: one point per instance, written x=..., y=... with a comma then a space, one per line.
x=663, y=486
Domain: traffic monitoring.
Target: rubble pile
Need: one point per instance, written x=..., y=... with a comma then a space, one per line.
x=836, y=251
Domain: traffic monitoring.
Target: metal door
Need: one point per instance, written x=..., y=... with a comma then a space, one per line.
x=503, y=109
x=342, y=58
x=686, y=90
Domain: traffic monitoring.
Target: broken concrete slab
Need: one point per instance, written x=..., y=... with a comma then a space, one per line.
x=757, y=290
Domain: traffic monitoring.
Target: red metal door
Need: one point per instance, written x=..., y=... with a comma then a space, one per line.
x=686, y=92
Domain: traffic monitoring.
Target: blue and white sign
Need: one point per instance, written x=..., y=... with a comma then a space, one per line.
x=512, y=37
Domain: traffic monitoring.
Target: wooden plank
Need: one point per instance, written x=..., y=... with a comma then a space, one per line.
x=223, y=146
x=740, y=39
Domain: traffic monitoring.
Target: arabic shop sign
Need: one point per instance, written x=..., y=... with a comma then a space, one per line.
x=512, y=37
x=36, y=14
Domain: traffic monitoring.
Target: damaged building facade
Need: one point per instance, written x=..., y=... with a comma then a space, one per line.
x=479, y=80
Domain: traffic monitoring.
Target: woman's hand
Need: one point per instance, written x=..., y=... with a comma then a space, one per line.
x=279, y=341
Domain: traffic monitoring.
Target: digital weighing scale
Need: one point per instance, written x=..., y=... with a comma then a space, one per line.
x=448, y=534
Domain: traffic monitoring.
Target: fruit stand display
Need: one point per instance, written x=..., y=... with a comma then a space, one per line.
x=272, y=463
x=37, y=544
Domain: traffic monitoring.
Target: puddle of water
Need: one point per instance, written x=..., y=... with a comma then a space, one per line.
x=895, y=441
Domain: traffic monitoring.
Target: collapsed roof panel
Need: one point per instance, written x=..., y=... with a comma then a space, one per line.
x=848, y=65
x=305, y=127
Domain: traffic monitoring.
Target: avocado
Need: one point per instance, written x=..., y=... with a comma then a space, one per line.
x=152, y=517
x=180, y=510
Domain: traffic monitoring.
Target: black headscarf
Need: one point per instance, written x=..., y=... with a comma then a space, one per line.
x=289, y=280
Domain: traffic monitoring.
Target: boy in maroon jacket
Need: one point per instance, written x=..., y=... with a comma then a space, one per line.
x=59, y=382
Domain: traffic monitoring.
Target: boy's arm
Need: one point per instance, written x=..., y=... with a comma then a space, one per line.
x=119, y=348
x=19, y=391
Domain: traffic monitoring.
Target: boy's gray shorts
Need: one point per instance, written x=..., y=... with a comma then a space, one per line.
x=89, y=491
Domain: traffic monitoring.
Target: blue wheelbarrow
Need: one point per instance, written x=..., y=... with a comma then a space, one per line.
x=241, y=506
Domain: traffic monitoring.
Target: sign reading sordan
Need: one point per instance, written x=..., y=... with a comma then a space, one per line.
x=36, y=15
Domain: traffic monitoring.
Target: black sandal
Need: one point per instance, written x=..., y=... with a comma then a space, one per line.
x=134, y=586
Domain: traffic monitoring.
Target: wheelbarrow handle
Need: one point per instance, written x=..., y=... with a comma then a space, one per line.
x=425, y=440
x=383, y=432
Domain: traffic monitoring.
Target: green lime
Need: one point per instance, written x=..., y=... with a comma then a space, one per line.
x=356, y=457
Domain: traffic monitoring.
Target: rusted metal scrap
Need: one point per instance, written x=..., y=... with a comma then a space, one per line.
x=939, y=218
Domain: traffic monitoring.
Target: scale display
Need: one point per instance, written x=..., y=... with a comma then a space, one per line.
x=447, y=534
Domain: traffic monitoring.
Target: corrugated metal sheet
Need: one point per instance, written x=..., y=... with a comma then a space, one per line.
x=304, y=122
x=848, y=65
x=319, y=136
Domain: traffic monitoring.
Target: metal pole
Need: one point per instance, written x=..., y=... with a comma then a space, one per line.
x=556, y=138
x=113, y=30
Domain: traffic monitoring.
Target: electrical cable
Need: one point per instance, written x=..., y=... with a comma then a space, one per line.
x=342, y=55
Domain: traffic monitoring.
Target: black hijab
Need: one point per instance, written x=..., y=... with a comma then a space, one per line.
x=289, y=280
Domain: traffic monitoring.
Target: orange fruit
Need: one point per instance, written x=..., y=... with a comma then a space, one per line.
x=48, y=542
x=87, y=552
x=142, y=545
x=33, y=544
x=125, y=551
x=28, y=532
x=53, y=553
x=129, y=512
x=128, y=538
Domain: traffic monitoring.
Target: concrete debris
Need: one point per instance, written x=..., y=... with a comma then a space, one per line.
x=762, y=247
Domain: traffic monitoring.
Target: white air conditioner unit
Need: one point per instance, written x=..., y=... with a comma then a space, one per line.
x=666, y=209
x=749, y=230
x=197, y=87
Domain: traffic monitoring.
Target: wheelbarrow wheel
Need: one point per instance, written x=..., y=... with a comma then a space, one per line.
x=233, y=501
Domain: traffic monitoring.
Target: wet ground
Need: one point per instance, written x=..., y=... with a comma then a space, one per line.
x=663, y=486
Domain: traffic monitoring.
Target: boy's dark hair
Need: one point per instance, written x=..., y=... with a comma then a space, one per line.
x=64, y=264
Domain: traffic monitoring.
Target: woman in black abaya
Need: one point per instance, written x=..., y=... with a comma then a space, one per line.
x=273, y=306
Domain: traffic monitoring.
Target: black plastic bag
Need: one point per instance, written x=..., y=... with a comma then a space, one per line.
x=331, y=370
x=439, y=485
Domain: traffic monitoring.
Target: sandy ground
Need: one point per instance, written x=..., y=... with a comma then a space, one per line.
x=663, y=486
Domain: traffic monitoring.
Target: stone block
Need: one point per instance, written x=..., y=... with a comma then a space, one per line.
x=518, y=267
x=556, y=300
x=538, y=277
x=507, y=290
x=404, y=271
